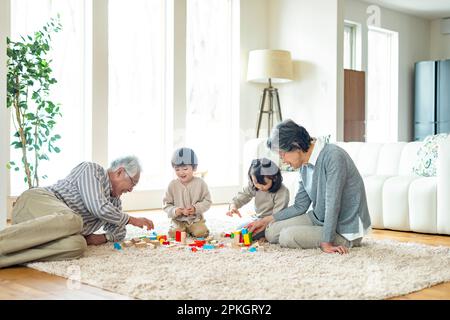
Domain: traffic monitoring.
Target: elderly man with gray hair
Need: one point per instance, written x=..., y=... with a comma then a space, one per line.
x=59, y=221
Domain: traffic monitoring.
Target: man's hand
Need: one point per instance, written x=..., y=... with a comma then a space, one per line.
x=141, y=222
x=179, y=212
x=259, y=225
x=95, y=239
x=329, y=247
x=234, y=211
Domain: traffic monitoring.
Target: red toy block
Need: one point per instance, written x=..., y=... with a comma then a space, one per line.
x=166, y=242
x=178, y=236
x=199, y=243
x=194, y=249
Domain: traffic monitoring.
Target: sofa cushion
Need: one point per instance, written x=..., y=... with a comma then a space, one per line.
x=389, y=158
x=422, y=205
x=368, y=158
x=425, y=164
x=374, y=195
x=395, y=202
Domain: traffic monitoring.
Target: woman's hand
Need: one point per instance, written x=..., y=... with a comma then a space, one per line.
x=234, y=211
x=329, y=247
x=259, y=225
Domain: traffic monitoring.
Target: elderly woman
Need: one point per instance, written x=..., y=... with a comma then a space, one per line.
x=329, y=179
x=57, y=222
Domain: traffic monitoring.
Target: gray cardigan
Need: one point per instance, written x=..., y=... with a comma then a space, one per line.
x=338, y=195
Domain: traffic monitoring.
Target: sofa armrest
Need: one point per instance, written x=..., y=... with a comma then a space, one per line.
x=443, y=187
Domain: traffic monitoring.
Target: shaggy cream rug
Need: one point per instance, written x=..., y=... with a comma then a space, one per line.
x=379, y=269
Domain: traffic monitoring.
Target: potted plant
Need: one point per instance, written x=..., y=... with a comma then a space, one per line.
x=34, y=115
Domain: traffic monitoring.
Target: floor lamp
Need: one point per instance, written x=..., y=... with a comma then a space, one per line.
x=269, y=66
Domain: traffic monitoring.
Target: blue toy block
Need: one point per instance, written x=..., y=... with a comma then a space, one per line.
x=252, y=249
x=244, y=231
x=208, y=247
x=117, y=246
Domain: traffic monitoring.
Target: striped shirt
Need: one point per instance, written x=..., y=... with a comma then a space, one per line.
x=87, y=191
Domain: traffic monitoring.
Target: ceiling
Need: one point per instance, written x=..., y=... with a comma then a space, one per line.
x=429, y=9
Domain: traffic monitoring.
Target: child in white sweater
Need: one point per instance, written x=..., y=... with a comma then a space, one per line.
x=187, y=197
x=265, y=184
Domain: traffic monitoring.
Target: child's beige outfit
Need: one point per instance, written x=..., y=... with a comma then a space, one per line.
x=194, y=194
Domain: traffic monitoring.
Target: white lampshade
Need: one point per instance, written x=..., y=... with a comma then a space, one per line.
x=273, y=64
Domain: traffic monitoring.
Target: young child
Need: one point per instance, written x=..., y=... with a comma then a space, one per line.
x=265, y=184
x=187, y=197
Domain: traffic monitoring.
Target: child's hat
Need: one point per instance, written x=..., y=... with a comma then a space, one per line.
x=184, y=156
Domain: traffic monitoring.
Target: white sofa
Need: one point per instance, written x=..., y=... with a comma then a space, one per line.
x=397, y=198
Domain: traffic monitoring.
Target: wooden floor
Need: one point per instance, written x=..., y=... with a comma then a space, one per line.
x=26, y=283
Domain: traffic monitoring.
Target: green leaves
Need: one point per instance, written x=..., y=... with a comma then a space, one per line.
x=29, y=82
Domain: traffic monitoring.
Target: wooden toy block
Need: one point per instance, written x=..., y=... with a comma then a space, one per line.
x=151, y=245
x=127, y=243
x=199, y=243
x=156, y=243
x=141, y=244
x=136, y=240
x=178, y=236
x=247, y=239
x=183, y=237
x=214, y=241
x=146, y=240
x=236, y=237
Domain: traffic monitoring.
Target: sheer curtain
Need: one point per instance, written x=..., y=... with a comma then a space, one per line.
x=212, y=118
x=71, y=69
x=382, y=84
x=137, y=101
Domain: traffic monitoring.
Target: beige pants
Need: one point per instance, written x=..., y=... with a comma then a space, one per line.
x=44, y=229
x=197, y=229
x=300, y=232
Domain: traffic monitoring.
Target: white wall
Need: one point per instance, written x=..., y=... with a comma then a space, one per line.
x=313, y=32
x=440, y=43
x=4, y=114
x=253, y=35
x=414, y=45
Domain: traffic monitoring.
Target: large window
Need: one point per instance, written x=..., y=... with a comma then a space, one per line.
x=137, y=87
x=212, y=81
x=382, y=107
x=71, y=69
